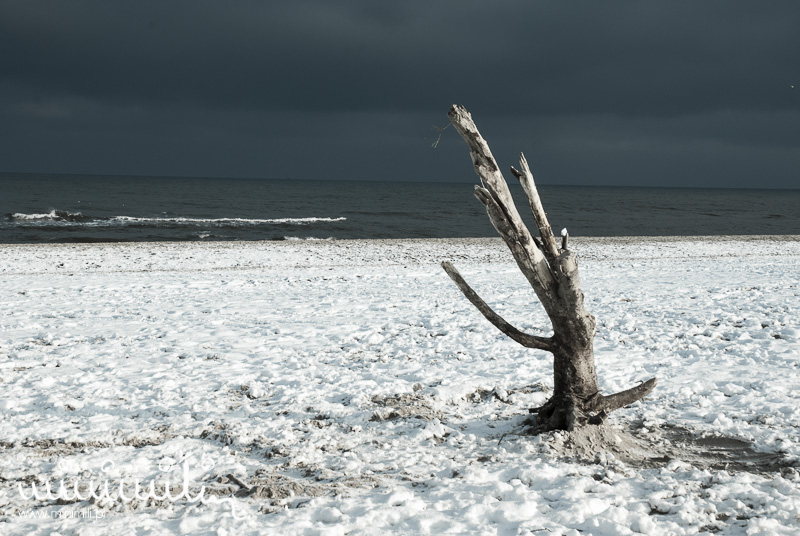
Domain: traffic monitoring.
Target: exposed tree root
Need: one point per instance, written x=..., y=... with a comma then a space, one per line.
x=568, y=412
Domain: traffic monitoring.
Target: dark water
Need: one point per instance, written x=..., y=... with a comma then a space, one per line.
x=70, y=208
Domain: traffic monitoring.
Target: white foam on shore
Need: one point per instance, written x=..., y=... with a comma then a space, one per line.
x=278, y=363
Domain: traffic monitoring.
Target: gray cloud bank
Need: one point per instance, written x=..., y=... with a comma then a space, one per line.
x=665, y=93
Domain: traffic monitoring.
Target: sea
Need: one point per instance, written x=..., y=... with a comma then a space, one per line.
x=46, y=208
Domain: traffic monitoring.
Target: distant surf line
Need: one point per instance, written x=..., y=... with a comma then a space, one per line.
x=64, y=217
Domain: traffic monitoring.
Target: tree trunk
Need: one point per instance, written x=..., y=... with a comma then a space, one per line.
x=553, y=274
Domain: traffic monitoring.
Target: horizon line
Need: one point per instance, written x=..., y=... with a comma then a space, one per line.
x=5, y=174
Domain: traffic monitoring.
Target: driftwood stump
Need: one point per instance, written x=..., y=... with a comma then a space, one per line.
x=553, y=274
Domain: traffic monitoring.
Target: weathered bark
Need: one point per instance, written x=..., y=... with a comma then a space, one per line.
x=553, y=274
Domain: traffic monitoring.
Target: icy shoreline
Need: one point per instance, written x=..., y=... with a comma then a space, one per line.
x=351, y=389
x=375, y=251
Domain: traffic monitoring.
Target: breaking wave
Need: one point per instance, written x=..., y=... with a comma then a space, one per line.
x=64, y=217
x=227, y=221
x=53, y=215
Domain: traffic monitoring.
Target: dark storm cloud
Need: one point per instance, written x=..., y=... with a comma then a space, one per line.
x=637, y=92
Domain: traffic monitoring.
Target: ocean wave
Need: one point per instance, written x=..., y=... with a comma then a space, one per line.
x=226, y=221
x=53, y=215
x=63, y=217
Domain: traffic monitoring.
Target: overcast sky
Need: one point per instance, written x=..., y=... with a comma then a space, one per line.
x=663, y=93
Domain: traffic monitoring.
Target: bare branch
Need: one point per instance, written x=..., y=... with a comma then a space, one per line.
x=526, y=180
x=564, y=238
x=629, y=396
x=522, y=251
x=435, y=144
x=495, y=187
x=529, y=341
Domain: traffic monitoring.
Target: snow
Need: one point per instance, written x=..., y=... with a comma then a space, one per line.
x=347, y=387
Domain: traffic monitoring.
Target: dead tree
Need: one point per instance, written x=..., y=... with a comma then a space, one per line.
x=553, y=274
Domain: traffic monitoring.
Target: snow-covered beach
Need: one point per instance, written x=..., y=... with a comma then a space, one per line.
x=347, y=387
